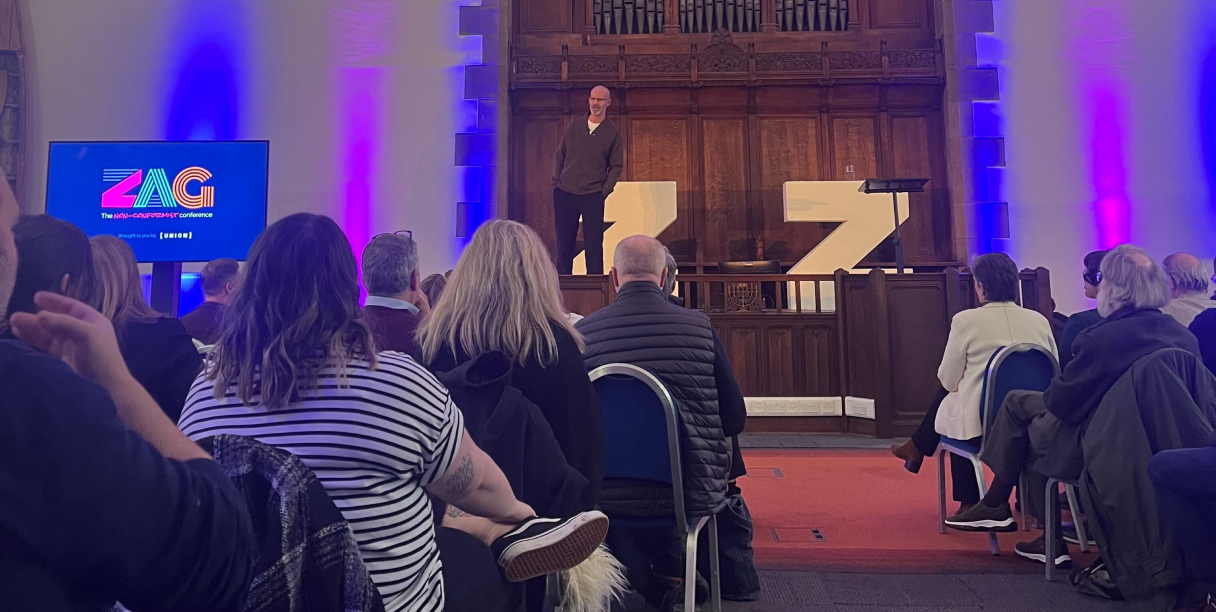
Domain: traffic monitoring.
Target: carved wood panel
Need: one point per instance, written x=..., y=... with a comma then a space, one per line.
x=854, y=143
x=742, y=344
x=658, y=151
x=886, y=14
x=540, y=136
x=789, y=151
x=910, y=138
x=921, y=328
x=546, y=16
x=725, y=198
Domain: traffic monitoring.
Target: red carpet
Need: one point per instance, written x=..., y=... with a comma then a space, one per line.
x=871, y=513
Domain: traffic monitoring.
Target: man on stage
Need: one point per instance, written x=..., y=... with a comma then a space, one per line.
x=589, y=162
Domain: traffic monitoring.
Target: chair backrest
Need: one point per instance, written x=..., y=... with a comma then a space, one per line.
x=641, y=428
x=1020, y=367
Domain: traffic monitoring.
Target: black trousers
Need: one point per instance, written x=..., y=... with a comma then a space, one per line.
x=962, y=474
x=1185, y=482
x=472, y=580
x=567, y=208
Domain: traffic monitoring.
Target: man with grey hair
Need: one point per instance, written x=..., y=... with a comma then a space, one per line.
x=219, y=280
x=669, y=283
x=1032, y=427
x=1189, y=287
x=680, y=347
x=395, y=300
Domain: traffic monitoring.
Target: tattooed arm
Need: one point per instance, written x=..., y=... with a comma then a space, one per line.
x=476, y=485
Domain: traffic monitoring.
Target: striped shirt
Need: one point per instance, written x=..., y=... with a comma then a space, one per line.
x=373, y=441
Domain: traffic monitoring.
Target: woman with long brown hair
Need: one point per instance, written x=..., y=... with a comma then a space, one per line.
x=156, y=347
x=504, y=296
x=296, y=368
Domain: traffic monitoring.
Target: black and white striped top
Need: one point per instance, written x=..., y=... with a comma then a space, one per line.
x=373, y=441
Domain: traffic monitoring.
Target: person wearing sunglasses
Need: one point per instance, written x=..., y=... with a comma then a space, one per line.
x=1077, y=323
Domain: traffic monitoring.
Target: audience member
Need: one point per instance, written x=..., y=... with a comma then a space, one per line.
x=294, y=369
x=1189, y=287
x=54, y=256
x=395, y=300
x=219, y=279
x=1204, y=328
x=1033, y=425
x=433, y=286
x=156, y=347
x=1086, y=319
x=669, y=282
x=102, y=496
x=1185, y=483
x=975, y=335
x=504, y=296
x=681, y=347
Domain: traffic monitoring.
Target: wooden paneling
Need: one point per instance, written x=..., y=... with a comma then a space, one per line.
x=898, y=14
x=920, y=329
x=724, y=181
x=658, y=151
x=821, y=365
x=789, y=151
x=586, y=294
x=854, y=142
x=742, y=344
x=912, y=157
x=540, y=137
x=782, y=365
x=546, y=17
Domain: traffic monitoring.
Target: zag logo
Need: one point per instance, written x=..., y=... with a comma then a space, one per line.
x=155, y=190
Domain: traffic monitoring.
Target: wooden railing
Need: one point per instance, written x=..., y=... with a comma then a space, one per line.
x=758, y=293
x=708, y=16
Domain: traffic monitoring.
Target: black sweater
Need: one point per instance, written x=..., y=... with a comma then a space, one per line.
x=162, y=357
x=564, y=394
x=90, y=513
x=589, y=162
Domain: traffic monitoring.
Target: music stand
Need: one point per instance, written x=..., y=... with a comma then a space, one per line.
x=895, y=187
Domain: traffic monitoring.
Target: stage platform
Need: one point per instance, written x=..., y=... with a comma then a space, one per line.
x=853, y=353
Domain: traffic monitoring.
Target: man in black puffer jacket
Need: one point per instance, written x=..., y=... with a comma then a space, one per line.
x=679, y=346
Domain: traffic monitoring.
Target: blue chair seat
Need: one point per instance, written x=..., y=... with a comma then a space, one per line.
x=967, y=446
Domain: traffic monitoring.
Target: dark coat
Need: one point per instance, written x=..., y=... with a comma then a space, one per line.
x=563, y=393
x=307, y=560
x=515, y=434
x=1072, y=328
x=205, y=322
x=162, y=357
x=1204, y=328
x=1166, y=400
x=1102, y=353
x=680, y=347
x=393, y=329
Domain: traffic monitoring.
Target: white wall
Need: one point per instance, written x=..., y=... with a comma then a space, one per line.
x=358, y=98
x=1103, y=102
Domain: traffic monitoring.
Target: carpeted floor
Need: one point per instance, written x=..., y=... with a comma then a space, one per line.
x=859, y=510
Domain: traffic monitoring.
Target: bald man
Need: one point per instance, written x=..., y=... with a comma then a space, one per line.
x=1189, y=287
x=589, y=163
x=681, y=348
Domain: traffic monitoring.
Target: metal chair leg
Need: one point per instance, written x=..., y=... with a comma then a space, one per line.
x=941, y=490
x=690, y=566
x=993, y=544
x=1022, y=498
x=1077, y=522
x=715, y=576
x=1050, y=510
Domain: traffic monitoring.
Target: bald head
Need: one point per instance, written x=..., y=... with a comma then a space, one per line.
x=639, y=258
x=599, y=101
x=1186, y=273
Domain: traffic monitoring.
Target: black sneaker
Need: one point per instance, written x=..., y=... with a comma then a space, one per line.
x=982, y=518
x=1037, y=551
x=544, y=545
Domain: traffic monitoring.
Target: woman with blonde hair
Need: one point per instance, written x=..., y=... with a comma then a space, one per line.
x=504, y=297
x=157, y=348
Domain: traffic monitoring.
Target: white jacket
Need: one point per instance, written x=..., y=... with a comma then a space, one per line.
x=974, y=336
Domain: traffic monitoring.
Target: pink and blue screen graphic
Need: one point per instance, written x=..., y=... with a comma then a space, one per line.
x=171, y=201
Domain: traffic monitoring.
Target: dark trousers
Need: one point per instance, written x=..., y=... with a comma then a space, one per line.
x=1027, y=439
x=567, y=208
x=653, y=558
x=472, y=580
x=1185, y=483
x=965, y=488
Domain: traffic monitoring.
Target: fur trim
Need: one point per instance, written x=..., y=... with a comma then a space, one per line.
x=594, y=584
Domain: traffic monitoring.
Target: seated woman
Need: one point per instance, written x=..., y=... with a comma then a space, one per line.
x=1077, y=323
x=52, y=255
x=296, y=368
x=157, y=348
x=974, y=336
x=504, y=296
